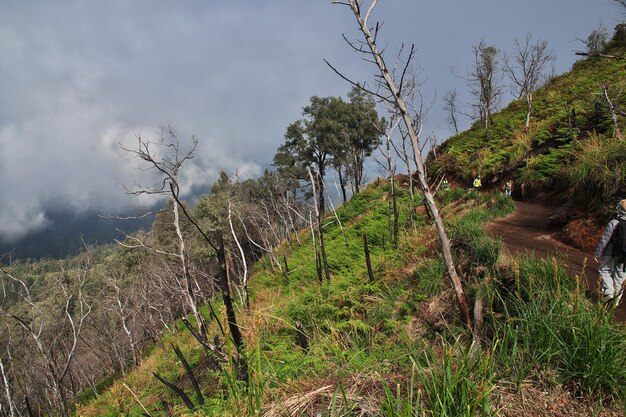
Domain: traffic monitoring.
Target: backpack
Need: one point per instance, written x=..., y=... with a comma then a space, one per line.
x=618, y=241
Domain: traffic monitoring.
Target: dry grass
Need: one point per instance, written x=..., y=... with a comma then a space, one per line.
x=535, y=400
x=436, y=313
x=357, y=395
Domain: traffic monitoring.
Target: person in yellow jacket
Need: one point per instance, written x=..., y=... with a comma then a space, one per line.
x=477, y=184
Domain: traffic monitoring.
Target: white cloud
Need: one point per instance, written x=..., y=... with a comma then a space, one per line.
x=78, y=78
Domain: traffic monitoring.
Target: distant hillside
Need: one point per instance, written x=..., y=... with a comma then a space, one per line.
x=571, y=148
x=65, y=231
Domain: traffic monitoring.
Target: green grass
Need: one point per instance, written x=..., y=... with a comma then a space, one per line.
x=548, y=324
x=598, y=172
x=457, y=383
x=571, y=140
x=537, y=325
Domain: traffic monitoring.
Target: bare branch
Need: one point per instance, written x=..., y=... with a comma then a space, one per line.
x=402, y=109
x=385, y=99
x=369, y=11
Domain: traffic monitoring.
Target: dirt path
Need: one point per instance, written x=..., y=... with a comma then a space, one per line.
x=528, y=231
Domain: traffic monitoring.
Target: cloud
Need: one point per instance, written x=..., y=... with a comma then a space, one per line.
x=77, y=78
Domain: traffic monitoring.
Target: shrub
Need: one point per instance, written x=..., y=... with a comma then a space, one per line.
x=598, y=172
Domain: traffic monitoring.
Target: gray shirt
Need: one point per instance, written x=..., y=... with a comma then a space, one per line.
x=606, y=236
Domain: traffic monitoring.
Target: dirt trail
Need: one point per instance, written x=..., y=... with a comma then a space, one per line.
x=528, y=231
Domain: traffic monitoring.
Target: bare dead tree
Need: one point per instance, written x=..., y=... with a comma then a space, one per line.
x=403, y=153
x=390, y=167
x=320, y=232
x=611, y=97
x=332, y=206
x=235, y=332
x=121, y=301
x=484, y=81
x=168, y=167
x=55, y=338
x=318, y=267
x=596, y=43
x=265, y=225
x=291, y=205
x=419, y=109
x=394, y=96
x=244, y=279
x=265, y=247
x=451, y=108
x=526, y=68
x=278, y=238
x=7, y=390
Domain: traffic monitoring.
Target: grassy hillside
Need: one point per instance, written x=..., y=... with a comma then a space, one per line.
x=395, y=346
x=571, y=146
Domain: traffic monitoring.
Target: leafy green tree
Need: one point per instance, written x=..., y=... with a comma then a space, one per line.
x=211, y=210
x=364, y=131
x=312, y=140
x=332, y=132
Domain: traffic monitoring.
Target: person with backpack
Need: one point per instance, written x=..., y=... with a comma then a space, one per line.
x=508, y=188
x=612, y=250
x=477, y=183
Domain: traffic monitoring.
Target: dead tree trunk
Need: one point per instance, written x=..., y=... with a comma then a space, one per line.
x=318, y=268
x=169, y=167
x=235, y=333
x=57, y=353
x=318, y=213
x=343, y=186
x=613, y=111
x=244, y=278
x=301, y=338
x=189, y=371
x=394, y=199
x=401, y=107
x=181, y=394
x=368, y=262
x=7, y=389
x=332, y=206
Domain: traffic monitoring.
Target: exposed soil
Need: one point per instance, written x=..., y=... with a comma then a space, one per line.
x=528, y=231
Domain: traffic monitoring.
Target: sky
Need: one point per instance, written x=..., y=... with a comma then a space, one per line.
x=79, y=80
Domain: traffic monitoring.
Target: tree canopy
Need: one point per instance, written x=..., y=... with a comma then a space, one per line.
x=332, y=131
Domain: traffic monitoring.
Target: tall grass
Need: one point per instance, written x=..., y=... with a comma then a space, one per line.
x=402, y=403
x=547, y=326
x=449, y=382
x=459, y=384
x=598, y=171
x=470, y=236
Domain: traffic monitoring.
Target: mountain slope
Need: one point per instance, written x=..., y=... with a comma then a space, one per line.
x=371, y=344
x=570, y=147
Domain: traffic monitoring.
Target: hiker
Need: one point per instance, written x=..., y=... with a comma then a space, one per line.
x=477, y=184
x=508, y=188
x=445, y=185
x=611, y=248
